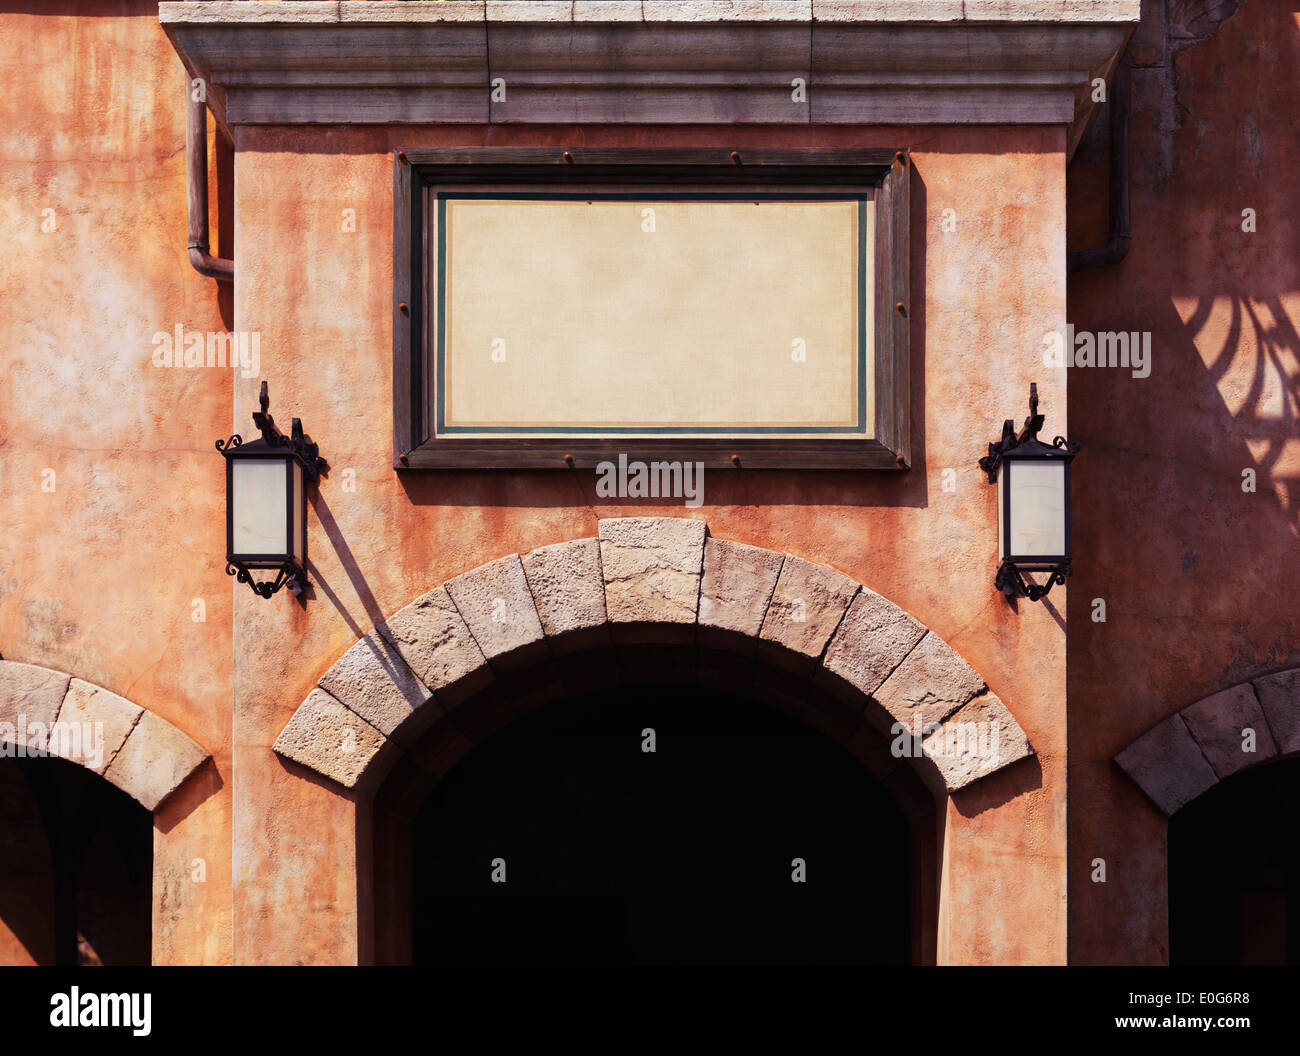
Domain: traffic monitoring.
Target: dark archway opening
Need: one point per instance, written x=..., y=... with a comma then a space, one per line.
x=680, y=856
x=76, y=866
x=1234, y=873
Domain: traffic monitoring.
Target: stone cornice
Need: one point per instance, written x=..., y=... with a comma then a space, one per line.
x=649, y=61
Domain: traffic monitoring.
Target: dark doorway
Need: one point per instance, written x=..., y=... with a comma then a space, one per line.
x=1234, y=872
x=681, y=856
x=76, y=865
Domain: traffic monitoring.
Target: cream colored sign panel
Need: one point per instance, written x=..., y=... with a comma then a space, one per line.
x=655, y=316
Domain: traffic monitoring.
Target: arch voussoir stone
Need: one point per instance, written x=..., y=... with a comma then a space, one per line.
x=497, y=606
x=930, y=684
x=683, y=602
x=568, y=590
x=330, y=738
x=979, y=738
x=434, y=640
x=1219, y=721
x=30, y=698
x=1279, y=699
x=1189, y=752
x=735, y=591
x=49, y=712
x=374, y=680
x=652, y=568
x=807, y=605
x=874, y=637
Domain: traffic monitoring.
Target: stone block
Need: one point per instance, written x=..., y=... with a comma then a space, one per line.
x=569, y=594
x=373, y=680
x=497, y=606
x=92, y=725
x=437, y=646
x=1219, y=721
x=652, y=568
x=401, y=11
x=1279, y=698
x=1168, y=765
x=735, y=591
x=887, y=10
x=30, y=698
x=807, y=605
x=975, y=741
x=727, y=10
x=606, y=11
x=930, y=684
x=333, y=740
x=529, y=10
x=154, y=761
x=872, y=640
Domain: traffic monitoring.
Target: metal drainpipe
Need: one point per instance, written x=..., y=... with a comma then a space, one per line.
x=196, y=171
x=1117, y=247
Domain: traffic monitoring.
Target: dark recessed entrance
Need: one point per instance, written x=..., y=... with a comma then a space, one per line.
x=1234, y=872
x=76, y=865
x=683, y=856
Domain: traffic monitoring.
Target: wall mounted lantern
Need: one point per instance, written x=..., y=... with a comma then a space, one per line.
x=266, y=503
x=1033, y=480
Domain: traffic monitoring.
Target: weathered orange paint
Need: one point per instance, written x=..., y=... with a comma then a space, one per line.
x=321, y=299
x=98, y=577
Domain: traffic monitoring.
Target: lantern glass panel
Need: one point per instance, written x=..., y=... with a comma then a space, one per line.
x=258, y=492
x=1002, y=534
x=299, y=518
x=1037, y=513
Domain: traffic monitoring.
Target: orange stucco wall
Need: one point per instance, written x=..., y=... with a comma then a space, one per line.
x=320, y=297
x=99, y=577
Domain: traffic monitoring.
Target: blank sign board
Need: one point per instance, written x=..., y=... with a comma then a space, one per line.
x=656, y=315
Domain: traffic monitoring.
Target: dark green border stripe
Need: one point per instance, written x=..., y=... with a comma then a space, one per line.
x=596, y=433
x=862, y=314
x=442, y=301
x=649, y=196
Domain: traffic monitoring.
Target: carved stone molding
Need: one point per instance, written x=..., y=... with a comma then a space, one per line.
x=652, y=62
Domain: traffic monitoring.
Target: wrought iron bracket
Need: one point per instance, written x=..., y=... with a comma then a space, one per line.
x=289, y=574
x=1011, y=439
x=296, y=441
x=1013, y=584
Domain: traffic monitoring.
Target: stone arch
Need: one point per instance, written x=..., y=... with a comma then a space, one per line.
x=53, y=713
x=658, y=583
x=1192, y=750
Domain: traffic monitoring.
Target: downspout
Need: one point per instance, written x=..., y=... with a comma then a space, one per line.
x=1117, y=247
x=196, y=174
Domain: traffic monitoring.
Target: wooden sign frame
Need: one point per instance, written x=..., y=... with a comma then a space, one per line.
x=884, y=173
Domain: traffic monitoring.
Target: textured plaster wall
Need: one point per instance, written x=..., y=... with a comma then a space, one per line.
x=1199, y=578
x=320, y=297
x=98, y=577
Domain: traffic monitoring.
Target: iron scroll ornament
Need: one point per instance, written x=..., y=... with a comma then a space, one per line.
x=289, y=573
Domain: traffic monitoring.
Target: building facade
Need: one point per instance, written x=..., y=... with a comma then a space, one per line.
x=470, y=736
